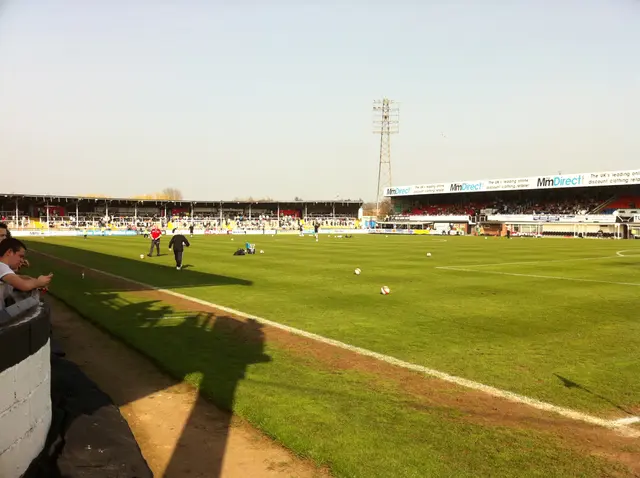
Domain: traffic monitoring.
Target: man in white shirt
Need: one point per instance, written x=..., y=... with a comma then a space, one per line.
x=5, y=233
x=12, y=252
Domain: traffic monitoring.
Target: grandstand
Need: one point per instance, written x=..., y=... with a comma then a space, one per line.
x=36, y=214
x=603, y=204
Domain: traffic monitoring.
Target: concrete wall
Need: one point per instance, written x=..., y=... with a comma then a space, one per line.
x=25, y=412
x=25, y=393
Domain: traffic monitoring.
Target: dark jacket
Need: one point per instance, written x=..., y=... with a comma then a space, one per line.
x=178, y=242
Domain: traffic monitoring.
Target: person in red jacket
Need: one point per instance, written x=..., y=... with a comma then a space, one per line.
x=156, y=233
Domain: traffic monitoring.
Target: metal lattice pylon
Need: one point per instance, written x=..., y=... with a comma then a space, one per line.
x=386, y=116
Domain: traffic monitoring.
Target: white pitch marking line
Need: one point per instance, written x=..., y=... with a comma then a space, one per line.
x=496, y=392
x=539, y=262
x=621, y=253
x=627, y=421
x=536, y=276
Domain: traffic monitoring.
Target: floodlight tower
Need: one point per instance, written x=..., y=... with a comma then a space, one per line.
x=386, y=121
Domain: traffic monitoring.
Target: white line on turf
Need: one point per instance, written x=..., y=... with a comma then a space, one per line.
x=463, y=382
x=536, y=276
x=628, y=421
x=537, y=262
x=621, y=253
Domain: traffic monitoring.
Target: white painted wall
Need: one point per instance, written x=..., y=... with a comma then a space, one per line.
x=25, y=412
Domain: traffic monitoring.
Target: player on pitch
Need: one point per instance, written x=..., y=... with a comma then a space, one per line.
x=156, y=233
x=177, y=243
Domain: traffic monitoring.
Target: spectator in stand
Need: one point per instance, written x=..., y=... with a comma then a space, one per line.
x=4, y=232
x=12, y=256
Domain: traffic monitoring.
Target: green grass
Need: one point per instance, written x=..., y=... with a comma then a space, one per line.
x=520, y=333
x=350, y=421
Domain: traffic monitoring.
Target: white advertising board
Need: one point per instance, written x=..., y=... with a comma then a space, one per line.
x=551, y=218
x=607, y=178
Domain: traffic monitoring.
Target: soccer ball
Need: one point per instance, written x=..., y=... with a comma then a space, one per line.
x=141, y=256
x=261, y=251
x=428, y=254
x=357, y=272
x=384, y=290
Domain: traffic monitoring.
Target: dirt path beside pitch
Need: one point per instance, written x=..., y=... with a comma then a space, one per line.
x=158, y=409
x=426, y=392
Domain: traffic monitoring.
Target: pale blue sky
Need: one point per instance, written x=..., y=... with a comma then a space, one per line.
x=273, y=98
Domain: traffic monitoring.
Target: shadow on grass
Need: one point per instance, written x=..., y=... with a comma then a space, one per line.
x=210, y=351
x=148, y=270
x=571, y=384
x=214, y=351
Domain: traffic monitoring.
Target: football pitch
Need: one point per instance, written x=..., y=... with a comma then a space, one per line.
x=550, y=319
x=512, y=314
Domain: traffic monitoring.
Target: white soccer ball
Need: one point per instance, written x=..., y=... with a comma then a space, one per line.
x=316, y=240
x=428, y=254
x=141, y=256
x=232, y=238
x=384, y=290
x=261, y=251
x=357, y=272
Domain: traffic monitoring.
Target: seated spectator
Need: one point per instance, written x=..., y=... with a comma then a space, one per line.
x=4, y=231
x=12, y=256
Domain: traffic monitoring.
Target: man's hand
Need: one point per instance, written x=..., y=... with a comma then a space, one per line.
x=43, y=281
x=26, y=283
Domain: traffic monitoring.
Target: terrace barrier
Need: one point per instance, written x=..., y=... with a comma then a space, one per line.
x=25, y=383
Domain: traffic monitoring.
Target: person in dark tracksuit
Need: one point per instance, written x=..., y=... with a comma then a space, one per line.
x=177, y=243
x=191, y=230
